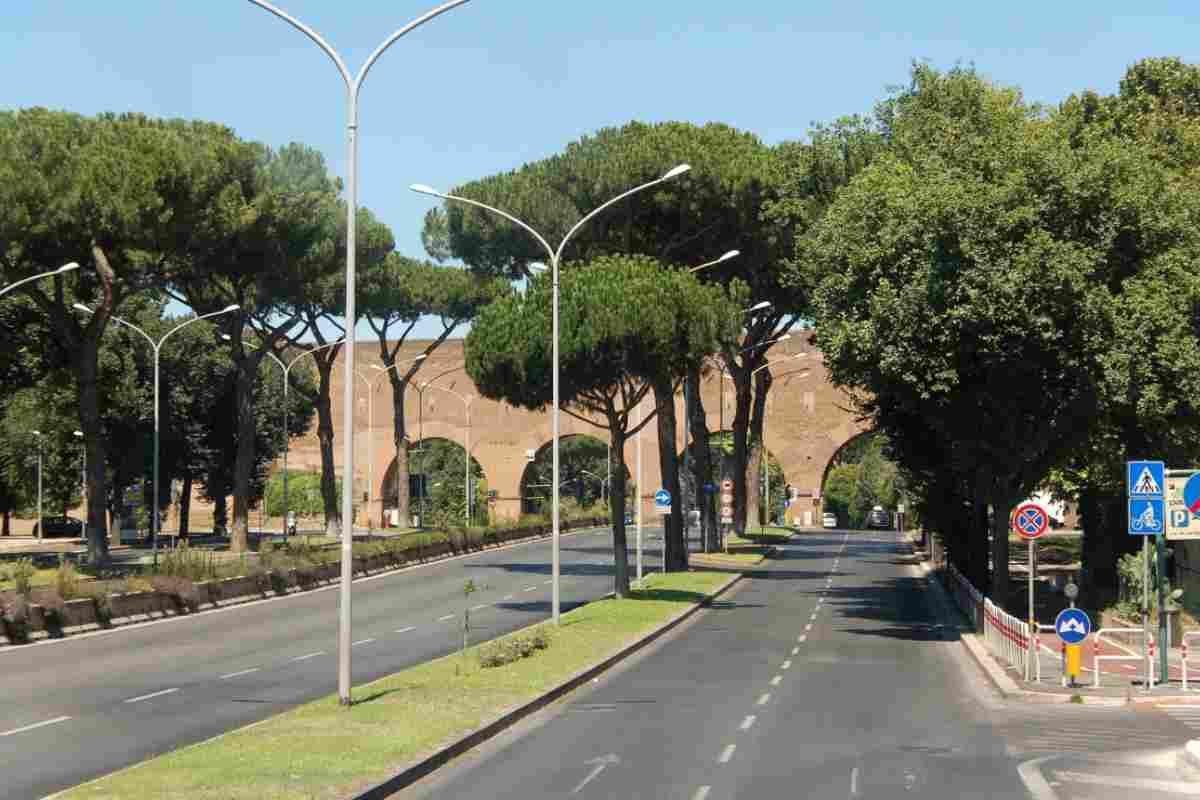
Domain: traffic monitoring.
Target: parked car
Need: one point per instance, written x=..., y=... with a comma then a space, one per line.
x=829, y=520
x=55, y=527
x=878, y=518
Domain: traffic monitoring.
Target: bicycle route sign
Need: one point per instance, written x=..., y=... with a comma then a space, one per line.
x=1030, y=521
x=1146, y=481
x=1183, y=504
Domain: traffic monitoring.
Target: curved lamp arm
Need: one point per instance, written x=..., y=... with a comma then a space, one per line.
x=64, y=268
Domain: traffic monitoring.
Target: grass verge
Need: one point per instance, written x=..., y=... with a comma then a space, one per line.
x=738, y=560
x=320, y=750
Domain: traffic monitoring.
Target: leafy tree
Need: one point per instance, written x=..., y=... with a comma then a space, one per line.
x=628, y=326
x=441, y=462
x=583, y=464
x=395, y=297
x=125, y=196
x=840, y=494
x=305, y=497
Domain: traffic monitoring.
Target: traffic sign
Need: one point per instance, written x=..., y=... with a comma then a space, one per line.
x=1072, y=625
x=1030, y=520
x=726, y=499
x=662, y=501
x=709, y=488
x=1183, y=504
x=726, y=515
x=1145, y=478
x=1147, y=516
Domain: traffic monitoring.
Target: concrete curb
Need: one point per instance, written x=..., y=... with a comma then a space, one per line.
x=41, y=638
x=1187, y=761
x=415, y=772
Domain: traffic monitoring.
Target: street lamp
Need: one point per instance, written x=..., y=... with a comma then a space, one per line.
x=64, y=268
x=370, y=421
x=353, y=86
x=157, y=348
x=466, y=401
x=555, y=257
x=40, y=525
x=724, y=257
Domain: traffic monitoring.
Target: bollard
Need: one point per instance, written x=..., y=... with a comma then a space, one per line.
x=1074, y=656
x=1150, y=665
x=1096, y=659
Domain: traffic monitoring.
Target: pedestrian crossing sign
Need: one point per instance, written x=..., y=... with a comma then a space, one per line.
x=1145, y=478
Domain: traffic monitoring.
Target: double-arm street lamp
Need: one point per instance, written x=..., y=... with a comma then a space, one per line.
x=371, y=419
x=555, y=258
x=353, y=87
x=64, y=268
x=157, y=348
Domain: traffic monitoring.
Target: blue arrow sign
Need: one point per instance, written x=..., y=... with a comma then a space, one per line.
x=1147, y=517
x=1072, y=625
x=662, y=500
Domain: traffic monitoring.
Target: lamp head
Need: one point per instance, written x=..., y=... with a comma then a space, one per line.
x=82, y=307
x=759, y=306
x=79, y=433
x=227, y=309
x=784, y=338
x=421, y=357
x=67, y=267
x=729, y=255
x=675, y=172
x=36, y=433
x=421, y=188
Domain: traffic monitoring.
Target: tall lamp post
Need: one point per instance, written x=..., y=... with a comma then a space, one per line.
x=353, y=87
x=555, y=258
x=466, y=401
x=157, y=348
x=64, y=268
x=40, y=527
x=371, y=420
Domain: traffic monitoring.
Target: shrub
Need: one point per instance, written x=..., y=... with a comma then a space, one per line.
x=184, y=562
x=66, y=581
x=22, y=574
x=178, y=588
x=102, y=601
x=52, y=607
x=16, y=620
x=514, y=648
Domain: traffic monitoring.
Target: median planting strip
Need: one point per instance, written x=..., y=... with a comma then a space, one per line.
x=321, y=750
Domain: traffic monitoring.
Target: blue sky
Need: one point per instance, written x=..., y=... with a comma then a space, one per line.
x=496, y=83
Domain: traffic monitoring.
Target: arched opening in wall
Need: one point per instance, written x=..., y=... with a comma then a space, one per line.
x=859, y=479
x=720, y=459
x=438, y=484
x=584, y=477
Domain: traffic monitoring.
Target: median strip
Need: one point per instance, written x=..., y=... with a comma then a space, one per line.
x=414, y=720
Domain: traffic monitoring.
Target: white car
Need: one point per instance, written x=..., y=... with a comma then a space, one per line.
x=829, y=520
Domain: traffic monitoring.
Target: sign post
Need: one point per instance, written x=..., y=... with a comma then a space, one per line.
x=726, y=506
x=1145, y=481
x=1072, y=626
x=1029, y=522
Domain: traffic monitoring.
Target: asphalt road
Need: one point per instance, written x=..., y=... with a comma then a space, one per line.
x=81, y=707
x=825, y=675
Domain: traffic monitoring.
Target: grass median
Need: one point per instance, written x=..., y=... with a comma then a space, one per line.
x=320, y=750
x=720, y=560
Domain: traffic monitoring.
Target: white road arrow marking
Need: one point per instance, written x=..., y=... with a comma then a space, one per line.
x=601, y=762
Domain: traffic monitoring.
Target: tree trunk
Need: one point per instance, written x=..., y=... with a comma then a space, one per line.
x=221, y=514
x=1105, y=540
x=975, y=541
x=701, y=461
x=329, y=493
x=741, y=449
x=1002, y=507
x=185, y=507
x=675, y=556
x=243, y=468
x=7, y=524
x=97, y=452
x=616, y=462
x=758, y=507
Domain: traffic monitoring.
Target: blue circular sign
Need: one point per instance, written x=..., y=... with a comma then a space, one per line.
x=662, y=498
x=1191, y=494
x=1072, y=625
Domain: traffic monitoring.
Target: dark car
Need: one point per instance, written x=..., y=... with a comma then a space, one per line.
x=878, y=518
x=56, y=527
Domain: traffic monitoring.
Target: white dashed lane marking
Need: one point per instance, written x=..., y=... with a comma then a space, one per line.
x=443, y=619
x=361, y=641
x=778, y=679
x=766, y=698
x=406, y=630
x=239, y=674
x=747, y=722
x=727, y=753
x=310, y=655
x=34, y=726
x=140, y=698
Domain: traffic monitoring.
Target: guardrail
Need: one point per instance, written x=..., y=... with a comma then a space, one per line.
x=1098, y=640
x=1006, y=635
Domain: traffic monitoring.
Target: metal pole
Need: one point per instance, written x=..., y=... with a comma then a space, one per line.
x=467, y=454
x=1033, y=631
x=554, y=498
x=638, y=494
x=41, y=525
x=1163, y=635
x=154, y=482
x=286, y=446
x=1146, y=607
x=370, y=451
x=766, y=474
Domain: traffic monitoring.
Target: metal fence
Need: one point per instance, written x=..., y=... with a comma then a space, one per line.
x=1007, y=636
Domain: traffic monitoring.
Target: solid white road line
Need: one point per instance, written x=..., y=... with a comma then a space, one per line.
x=766, y=698
x=361, y=641
x=310, y=655
x=747, y=722
x=776, y=680
x=443, y=619
x=152, y=694
x=406, y=630
x=481, y=605
x=1145, y=784
x=727, y=753
x=41, y=724
x=786, y=665
x=238, y=674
